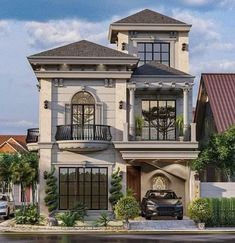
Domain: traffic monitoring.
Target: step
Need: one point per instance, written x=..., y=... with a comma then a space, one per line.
x=185, y=224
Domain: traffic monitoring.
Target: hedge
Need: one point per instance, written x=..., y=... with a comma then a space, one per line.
x=223, y=212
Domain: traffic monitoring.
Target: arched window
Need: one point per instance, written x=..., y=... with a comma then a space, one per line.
x=83, y=108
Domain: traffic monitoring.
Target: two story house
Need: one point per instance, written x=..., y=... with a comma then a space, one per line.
x=90, y=96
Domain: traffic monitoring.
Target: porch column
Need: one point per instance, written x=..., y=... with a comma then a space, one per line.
x=132, y=88
x=186, y=111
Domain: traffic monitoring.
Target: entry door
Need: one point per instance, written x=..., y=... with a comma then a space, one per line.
x=133, y=180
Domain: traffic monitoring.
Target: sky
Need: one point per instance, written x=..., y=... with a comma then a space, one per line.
x=31, y=26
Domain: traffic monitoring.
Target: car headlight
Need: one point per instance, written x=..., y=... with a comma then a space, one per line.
x=3, y=206
x=150, y=203
x=179, y=204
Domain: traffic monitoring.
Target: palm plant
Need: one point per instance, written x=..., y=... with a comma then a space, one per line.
x=180, y=124
x=139, y=123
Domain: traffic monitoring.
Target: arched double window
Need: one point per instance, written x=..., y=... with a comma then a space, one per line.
x=83, y=109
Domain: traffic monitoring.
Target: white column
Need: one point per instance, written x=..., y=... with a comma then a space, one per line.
x=186, y=111
x=131, y=109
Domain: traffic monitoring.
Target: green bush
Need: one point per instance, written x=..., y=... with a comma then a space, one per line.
x=223, y=212
x=28, y=215
x=68, y=218
x=81, y=211
x=200, y=210
x=103, y=220
x=127, y=208
x=116, y=187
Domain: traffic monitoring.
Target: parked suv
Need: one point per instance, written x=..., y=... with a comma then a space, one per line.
x=161, y=203
x=7, y=206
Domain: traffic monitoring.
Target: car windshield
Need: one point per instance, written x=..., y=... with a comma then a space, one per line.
x=163, y=195
x=3, y=198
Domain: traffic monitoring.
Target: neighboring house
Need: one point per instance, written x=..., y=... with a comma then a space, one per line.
x=15, y=144
x=89, y=98
x=215, y=113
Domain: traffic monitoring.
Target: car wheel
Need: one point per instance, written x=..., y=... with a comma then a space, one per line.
x=180, y=217
x=148, y=218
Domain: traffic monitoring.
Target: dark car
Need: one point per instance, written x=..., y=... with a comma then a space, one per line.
x=161, y=203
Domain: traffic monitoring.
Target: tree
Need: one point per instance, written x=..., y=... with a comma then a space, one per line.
x=116, y=187
x=220, y=152
x=51, y=198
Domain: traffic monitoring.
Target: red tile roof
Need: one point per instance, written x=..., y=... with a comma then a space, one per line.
x=16, y=141
x=220, y=88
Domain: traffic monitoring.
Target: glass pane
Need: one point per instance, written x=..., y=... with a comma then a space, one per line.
x=103, y=202
x=81, y=174
x=95, y=188
x=72, y=174
x=95, y=174
x=103, y=188
x=165, y=56
x=141, y=56
x=140, y=46
x=81, y=188
x=149, y=56
x=73, y=188
x=157, y=47
x=88, y=174
x=145, y=133
x=166, y=63
x=83, y=97
x=63, y=202
x=165, y=47
x=63, y=174
x=149, y=47
x=153, y=132
x=87, y=201
x=63, y=188
x=72, y=202
x=95, y=202
x=156, y=56
x=87, y=188
x=103, y=174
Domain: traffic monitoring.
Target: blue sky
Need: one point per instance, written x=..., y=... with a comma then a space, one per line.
x=30, y=26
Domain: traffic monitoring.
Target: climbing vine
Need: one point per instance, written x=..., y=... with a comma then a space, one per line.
x=51, y=198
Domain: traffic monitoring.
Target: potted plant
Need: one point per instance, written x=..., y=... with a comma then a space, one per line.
x=180, y=126
x=200, y=211
x=139, y=123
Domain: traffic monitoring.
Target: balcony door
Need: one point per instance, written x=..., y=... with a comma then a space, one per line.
x=83, y=116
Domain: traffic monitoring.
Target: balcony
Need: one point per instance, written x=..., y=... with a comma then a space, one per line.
x=32, y=139
x=83, y=138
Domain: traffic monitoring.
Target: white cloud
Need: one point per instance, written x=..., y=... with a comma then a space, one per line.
x=4, y=27
x=197, y=2
x=59, y=32
x=16, y=123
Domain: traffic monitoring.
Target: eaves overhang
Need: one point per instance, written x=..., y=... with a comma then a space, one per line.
x=117, y=27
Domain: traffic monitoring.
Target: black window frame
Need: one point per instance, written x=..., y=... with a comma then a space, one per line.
x=84, y=194
x=149, y=126
x=161, y=52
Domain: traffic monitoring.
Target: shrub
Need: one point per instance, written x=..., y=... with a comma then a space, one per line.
x=51, y=198
x=200, y=210
x=68, y=218
x=28, y=215
x=81, y=211
x=103, y=220
x=116, y=187
x=223, y=212
x=127, y=208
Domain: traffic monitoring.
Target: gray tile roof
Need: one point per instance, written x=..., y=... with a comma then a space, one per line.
x=156, y=68
x=148, y=17
x=82, y=48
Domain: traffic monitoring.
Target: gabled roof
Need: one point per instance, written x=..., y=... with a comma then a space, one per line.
x=220, y=88
x=148, y=16
x=156, y=68
x=17, y=142
x=82, y=48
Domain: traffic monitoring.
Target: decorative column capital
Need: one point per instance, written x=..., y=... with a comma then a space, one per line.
x=131, y=86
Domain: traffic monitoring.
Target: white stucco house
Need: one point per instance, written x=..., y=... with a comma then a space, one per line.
x=90, y=96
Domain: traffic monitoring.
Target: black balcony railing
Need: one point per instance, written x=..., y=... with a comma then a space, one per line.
x=83, y=132
x=32, y=135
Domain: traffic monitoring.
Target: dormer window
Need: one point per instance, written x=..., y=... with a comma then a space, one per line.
x=157, y=51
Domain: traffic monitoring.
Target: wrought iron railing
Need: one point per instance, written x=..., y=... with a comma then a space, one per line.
x=83, y=132
x=32, y=135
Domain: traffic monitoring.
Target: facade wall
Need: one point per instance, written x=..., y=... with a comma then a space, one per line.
x=217, y=189
x=179, y=59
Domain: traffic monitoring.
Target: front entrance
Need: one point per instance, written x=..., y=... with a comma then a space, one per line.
x=133, y=180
